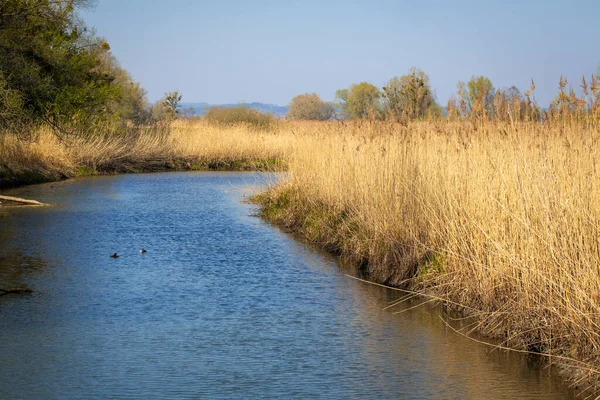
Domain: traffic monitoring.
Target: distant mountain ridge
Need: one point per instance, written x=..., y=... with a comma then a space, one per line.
x=201, y=108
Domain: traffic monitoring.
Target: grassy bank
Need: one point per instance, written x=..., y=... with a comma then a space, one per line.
x=183, y=145
x=500, y=220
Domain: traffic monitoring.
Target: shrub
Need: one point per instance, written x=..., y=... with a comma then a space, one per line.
x=240, y=115
x=309, y=106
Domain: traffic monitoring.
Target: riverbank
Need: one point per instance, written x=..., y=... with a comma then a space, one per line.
x=499, y=220
x=183, y=146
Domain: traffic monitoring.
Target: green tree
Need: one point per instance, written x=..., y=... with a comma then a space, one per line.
x=409, y=96
x=360, y=101
x=341, y=99
x=170, y=104
x=309, y=106
x=130, y=103
x=157, y=111
x=11, y=104
x=49, y=66
x=478, y=96
x=133, y=104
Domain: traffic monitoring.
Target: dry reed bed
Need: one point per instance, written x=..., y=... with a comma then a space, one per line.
x=503, y=220
x=184, y=145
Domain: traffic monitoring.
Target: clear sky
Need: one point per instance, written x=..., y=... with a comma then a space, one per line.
x=230, y=51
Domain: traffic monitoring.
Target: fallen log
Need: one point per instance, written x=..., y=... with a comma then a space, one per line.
x=19, y=200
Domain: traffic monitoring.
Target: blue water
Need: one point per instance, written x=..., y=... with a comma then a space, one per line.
x=222, y=306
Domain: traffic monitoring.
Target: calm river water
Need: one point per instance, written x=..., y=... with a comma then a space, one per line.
x=221, y=306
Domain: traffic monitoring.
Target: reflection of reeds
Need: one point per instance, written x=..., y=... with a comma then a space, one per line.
x=16, y=269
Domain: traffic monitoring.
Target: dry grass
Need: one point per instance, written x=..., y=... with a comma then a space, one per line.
x=194, y=145
x=502, y=219
x=199, y=139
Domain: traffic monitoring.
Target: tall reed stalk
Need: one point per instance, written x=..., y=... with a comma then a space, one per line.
x=500, y=218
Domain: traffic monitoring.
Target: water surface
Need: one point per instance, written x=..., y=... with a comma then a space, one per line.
x=222, y=305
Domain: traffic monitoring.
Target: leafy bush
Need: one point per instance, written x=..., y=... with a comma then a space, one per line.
x=240, y=115
x=309, y=106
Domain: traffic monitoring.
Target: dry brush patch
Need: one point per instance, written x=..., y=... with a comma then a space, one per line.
x=181, y=145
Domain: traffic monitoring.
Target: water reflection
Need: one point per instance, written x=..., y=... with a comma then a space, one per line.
x=222, y=306
x=19, y=265
x=18, y=269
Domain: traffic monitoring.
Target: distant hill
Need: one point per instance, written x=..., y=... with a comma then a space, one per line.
x=202, y=108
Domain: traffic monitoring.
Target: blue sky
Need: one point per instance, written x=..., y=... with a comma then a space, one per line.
x=231, y=51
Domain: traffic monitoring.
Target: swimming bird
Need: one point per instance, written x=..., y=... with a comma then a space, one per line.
x=115, y=256
x=143, y=250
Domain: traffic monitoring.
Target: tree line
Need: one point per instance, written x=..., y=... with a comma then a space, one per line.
x=55, y=71
x=410, y=97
